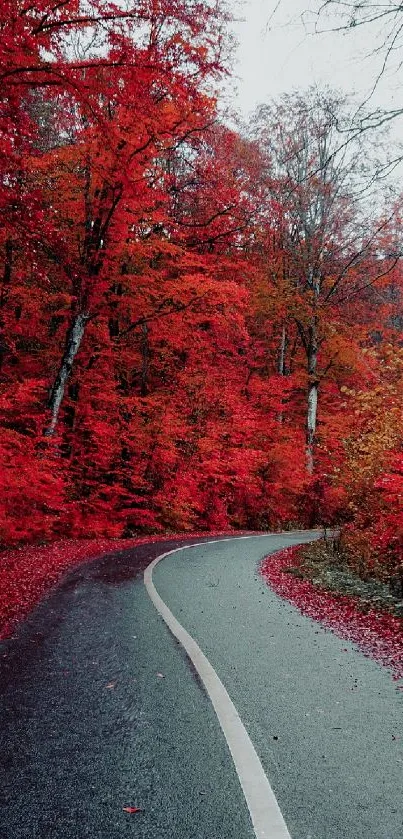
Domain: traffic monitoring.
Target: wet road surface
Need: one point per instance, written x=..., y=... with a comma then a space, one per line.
x=100, y=709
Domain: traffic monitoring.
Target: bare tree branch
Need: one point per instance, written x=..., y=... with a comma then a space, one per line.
x=160, y=313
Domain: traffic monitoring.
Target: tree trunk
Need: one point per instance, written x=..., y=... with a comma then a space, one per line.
x=282, y=366
x=73, y=342
x=8, y=265
x=312, y=404
x=282, y=353
x=145, y=353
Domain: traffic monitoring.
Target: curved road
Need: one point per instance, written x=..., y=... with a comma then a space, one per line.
x=101, y=708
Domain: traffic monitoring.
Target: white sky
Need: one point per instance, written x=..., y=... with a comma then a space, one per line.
x=278, y=52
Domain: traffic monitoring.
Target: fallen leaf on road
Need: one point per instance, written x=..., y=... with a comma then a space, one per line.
x=132, y=809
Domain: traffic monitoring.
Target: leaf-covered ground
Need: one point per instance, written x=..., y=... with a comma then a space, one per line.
x=378, y=634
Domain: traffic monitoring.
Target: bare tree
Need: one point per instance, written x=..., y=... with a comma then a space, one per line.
x=384, y=21
x=324, y=224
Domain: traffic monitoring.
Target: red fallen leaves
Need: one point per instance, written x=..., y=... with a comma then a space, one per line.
x=27, y=573
x=132, y=809
x=377, y=634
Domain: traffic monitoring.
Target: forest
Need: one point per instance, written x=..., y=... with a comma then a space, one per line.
x=200, y=322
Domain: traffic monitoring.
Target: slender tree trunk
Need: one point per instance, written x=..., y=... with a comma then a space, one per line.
x=282, y=353
x=73, y=342
x=97, y=223
x=312, y=402
x=8, y=265
x=281, y=365
x=145, y=352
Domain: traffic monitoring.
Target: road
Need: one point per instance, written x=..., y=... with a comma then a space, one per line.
x=101, y=708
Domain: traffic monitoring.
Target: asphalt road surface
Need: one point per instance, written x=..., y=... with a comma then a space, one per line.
x=101, y=709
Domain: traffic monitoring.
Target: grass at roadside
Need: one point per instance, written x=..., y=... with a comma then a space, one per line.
x=313, y=580
x=326, y=565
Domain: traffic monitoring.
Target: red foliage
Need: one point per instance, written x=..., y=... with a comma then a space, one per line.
x=390, y=523
x=165, y=307
x=378, y=635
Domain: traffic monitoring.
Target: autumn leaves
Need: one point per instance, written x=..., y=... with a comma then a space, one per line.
x=185, y=311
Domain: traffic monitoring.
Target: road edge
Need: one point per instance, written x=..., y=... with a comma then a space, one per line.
x=265, y=813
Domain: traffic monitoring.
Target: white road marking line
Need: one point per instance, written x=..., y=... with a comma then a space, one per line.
x=264, y=810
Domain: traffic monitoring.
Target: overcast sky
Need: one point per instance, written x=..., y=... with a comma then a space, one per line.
x=278, y=51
